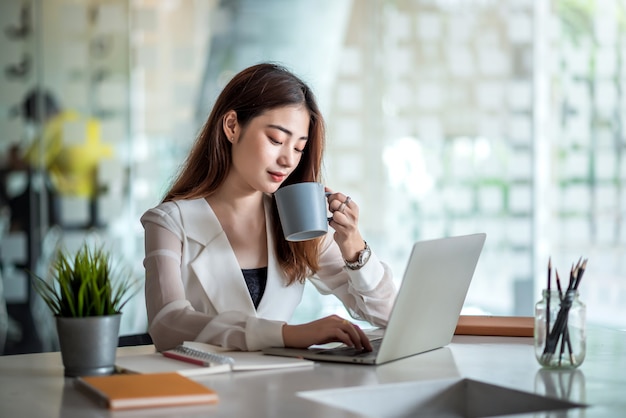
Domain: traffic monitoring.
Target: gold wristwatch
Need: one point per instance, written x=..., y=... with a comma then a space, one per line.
x=364, y=255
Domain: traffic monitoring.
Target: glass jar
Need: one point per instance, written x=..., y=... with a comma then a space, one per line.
x=560, y=334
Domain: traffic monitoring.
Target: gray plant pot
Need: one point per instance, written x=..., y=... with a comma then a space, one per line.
x=88, y=344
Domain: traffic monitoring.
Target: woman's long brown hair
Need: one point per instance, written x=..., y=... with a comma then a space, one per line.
x=250, y=93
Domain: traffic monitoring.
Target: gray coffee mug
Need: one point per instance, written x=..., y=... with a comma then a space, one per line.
x=302, y=210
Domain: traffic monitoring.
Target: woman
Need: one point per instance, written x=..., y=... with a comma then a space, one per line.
x=218, y=269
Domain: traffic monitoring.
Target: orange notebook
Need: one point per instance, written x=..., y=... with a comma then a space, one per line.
x=508, y=326
x=127, y=391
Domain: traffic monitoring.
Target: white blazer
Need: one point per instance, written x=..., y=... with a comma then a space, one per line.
x=195, y=288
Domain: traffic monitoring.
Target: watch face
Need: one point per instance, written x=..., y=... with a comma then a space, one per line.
x=364, y=256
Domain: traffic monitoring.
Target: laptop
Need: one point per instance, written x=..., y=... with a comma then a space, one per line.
x=426, y=309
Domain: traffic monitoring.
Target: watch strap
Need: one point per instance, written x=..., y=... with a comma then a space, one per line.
x=364, y=256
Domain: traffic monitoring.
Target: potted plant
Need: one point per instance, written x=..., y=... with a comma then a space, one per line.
x=86, y=296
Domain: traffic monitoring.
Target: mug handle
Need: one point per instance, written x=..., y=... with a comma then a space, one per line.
x=328, y=218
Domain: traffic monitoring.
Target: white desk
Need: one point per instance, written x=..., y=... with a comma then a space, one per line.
x=33, y=385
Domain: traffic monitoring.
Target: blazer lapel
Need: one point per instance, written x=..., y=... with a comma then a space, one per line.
x=279, y=300
x=215, y=264
x=217, y=268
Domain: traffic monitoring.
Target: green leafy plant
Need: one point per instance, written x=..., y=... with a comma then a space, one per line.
x=85, y=286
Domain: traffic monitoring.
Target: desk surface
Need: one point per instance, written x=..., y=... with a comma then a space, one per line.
x=33, y=384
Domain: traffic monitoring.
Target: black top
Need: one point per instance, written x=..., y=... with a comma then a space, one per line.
x=255, y=280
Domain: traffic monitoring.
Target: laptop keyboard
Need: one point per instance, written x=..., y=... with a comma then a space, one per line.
x=353, y=352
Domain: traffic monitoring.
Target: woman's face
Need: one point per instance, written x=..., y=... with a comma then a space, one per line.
x=269, y=149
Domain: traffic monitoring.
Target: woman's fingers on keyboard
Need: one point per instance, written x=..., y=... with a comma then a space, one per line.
x=358, y=337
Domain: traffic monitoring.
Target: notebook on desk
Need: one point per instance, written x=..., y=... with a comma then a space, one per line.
x=194, y=358
x=426, y=309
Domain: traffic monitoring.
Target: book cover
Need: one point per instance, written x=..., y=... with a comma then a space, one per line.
x=131, y=391
x=508, y=326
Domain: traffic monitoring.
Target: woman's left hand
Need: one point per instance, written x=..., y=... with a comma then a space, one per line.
x=345, y=222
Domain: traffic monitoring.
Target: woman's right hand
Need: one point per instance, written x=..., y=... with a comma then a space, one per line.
x=326, y=330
